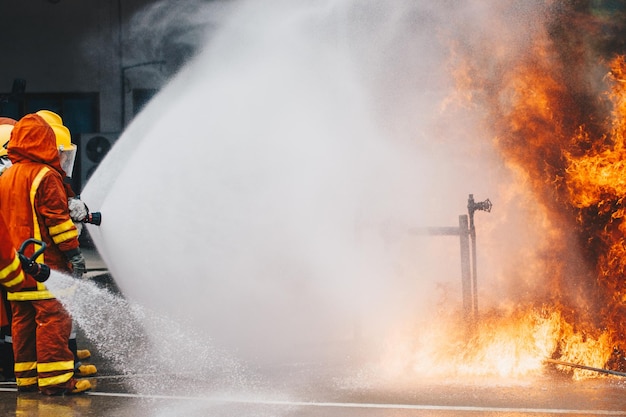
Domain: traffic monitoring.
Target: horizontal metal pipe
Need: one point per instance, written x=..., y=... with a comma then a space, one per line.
x=437, y=231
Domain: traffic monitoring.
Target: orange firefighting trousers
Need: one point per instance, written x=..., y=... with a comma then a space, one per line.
x=41, y=329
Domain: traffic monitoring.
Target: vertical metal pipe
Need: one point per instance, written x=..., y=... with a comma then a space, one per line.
x=471, y=208
x=474, y=269
x=466, y=274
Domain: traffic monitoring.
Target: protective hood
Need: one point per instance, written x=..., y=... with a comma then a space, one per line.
x=33, y=140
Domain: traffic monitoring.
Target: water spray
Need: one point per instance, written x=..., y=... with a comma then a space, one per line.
x=41, y=272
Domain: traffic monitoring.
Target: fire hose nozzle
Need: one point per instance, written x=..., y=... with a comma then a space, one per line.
x=41, y=272
x=94, y=218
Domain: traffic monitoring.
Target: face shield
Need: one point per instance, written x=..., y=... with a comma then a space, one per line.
x=67, y=150
x=67, y=155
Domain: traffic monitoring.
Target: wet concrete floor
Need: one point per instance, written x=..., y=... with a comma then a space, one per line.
x=549, y=396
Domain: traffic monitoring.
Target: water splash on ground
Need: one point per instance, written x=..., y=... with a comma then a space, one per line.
x=136, y=341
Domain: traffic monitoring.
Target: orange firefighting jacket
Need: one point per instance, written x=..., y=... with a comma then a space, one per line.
x=33, y=200
x=11, y=275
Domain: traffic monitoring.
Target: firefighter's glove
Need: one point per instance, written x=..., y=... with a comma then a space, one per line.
x=78, y=209
x=76, y=258
x=79, y=227
x=40, y=272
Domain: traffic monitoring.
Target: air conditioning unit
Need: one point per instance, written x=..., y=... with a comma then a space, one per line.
x=92, y=148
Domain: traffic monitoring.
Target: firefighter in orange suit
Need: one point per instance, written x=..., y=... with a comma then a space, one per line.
x=6, y=350
x=78, y=212
x=33, y=202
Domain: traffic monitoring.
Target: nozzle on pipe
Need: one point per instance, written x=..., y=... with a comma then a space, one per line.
x=40, y=272
x=94, y=218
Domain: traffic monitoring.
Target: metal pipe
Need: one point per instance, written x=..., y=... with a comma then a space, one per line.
x=473, y=206
x=436, y=231
x=467, y=240
x=466, y=273
x=588, y=368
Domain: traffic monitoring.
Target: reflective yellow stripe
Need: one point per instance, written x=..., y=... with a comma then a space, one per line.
x=30, y=295
x=65, y=236
x=24, y=382
x=25, y=366
x=55, y=380
x=33, y=193
x=55, y=366
x=15, y=280
x=60, y=228
x=9, y=269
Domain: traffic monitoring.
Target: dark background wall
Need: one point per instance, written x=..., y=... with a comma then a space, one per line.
x=90, y=61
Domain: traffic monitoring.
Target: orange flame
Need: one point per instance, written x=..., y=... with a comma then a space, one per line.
x=568, y=144
x=581, y=179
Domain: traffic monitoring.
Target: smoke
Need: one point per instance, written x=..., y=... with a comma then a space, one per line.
x=268, y=193
x=170, y=32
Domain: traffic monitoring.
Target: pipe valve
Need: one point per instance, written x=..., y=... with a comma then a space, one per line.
x=472, y=206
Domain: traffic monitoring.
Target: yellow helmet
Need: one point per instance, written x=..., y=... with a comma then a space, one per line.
x=67, y=150
x=6, y=127
x=62, y=133
x=50, y=117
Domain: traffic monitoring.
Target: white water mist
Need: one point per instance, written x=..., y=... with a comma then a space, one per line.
x=265, y=195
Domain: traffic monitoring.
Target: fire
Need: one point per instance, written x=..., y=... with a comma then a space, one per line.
x=596, y=187
x=566, y=142
x=570, y=148
x=505, y=343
